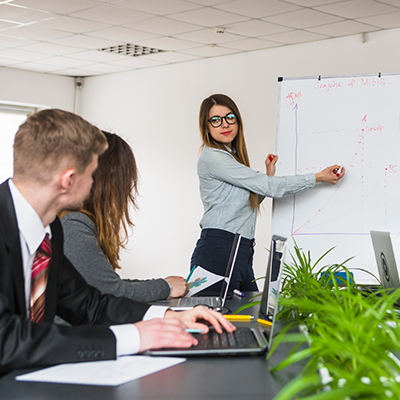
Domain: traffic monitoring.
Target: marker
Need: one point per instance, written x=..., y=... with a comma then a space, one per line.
x=238, y=317
x=189, y=330
x=190, y=273
x=264, y=322
x=238, y=292
x=270, y=158
x=339, y=171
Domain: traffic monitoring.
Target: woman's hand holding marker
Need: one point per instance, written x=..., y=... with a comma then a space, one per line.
x=270, y=162
x=331, y=174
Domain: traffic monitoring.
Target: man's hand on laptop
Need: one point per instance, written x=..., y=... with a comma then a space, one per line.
x=191, y=317
x=164, y=333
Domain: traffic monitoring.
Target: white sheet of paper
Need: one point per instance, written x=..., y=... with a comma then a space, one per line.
x=202, y=279
x=102, y=373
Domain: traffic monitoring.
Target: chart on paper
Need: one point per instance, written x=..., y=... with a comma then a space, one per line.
x=352, y=121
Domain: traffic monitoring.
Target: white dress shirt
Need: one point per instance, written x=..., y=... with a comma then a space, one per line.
x=32, y=232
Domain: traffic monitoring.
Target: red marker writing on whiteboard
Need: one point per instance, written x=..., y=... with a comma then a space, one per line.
x=270, y=158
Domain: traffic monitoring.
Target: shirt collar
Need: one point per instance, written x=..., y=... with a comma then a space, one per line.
x=29, y=223
x=230, y=150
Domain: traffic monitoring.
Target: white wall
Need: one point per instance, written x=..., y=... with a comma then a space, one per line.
x=156, y=110
x=37, y=89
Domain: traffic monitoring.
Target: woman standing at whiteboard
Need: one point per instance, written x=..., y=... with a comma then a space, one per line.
x=231, y=191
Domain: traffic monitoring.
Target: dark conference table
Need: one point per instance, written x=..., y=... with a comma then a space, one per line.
x=245, y=377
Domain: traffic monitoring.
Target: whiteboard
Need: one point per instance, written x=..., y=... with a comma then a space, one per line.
x=352, y=121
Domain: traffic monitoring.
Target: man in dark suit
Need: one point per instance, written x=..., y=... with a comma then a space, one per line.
x=55, y=155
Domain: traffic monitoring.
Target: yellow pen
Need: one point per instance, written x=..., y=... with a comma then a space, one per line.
x=239, y=317
x=264, y=322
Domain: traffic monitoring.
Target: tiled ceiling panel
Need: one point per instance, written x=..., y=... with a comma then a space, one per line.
x=66, y=37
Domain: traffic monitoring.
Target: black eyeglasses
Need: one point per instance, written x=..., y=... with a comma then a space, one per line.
x=216, y=121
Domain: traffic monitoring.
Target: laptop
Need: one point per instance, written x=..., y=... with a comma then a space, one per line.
x=245, y=340
x=385, y=260
x=216, y=302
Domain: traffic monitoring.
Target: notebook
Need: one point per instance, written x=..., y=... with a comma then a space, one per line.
x=245, y=340
x=217, y=303
x=385, y=260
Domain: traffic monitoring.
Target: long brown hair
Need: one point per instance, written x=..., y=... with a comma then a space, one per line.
x=114, y=190
x=238, y=143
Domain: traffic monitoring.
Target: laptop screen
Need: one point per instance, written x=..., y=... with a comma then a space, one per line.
x=229, y=268
x=272, y=278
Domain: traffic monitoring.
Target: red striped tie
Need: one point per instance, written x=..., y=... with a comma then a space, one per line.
x=40, y=272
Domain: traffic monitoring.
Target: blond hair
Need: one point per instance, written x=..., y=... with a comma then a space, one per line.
x=48, y=138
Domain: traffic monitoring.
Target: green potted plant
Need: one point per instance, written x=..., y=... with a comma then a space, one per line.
x=352, y=334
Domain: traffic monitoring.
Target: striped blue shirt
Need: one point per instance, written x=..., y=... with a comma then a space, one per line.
x=225, y=187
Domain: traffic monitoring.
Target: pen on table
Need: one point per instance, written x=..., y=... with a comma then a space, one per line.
x=190, y=273
x=238, y=292
x=264, y=322
x=238, y=317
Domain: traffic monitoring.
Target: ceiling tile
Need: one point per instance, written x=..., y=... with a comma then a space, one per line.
x=137, y=62
x=5, y=62
x=96, y=56
x=163, y=26
x=252, y=44
x=7, y=24
x=30, y=66
x=85, y=42
x=158, y=7
x=168, y=43
x=255, y=28
x=171, y=57
x=295, y=36
x=303, y=19
x=57, y=6
x=49, y=48
x=122, y=35
x=111, y=14
x=33, y=32
x=66, y=62
x=76, y=72
x=315, y=3
x=104, y=68
x=185, y=28
x=9, y=41
x=16, y=54
x=391, y=2
x=357, y=8
x=207, y=36
x=343, y=28
x=207, y=51
x=73, y=25
x=385, y=21
x=257, y=8
x=208, y=17
x=22, y=14
x=210, y=2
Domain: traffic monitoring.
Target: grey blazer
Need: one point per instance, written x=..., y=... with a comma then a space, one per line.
x=82, y=249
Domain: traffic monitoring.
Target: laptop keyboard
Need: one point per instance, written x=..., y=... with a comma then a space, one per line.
x=241, y=338
x=194, y=301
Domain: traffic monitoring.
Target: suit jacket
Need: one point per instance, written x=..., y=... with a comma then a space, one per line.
x=25, y=344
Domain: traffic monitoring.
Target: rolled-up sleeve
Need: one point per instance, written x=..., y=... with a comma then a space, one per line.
x=222, y=166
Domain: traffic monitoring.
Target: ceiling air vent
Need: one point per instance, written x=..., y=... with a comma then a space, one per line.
x=132, y=50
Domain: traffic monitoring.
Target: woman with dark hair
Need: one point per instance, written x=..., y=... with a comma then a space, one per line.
x=231, y=191
x=95, y=235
